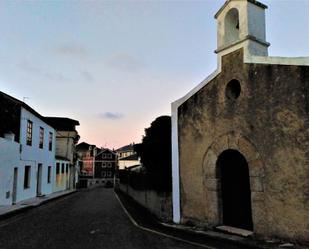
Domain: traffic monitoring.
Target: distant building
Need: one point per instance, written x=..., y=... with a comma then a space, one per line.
x=128, y=161
x=32, y=176
x=105, y=164
x=125, y=151
x=66, y=158
x=86, y=155
x=127, y=157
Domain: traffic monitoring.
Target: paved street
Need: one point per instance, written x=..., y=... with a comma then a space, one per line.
x=87, y=219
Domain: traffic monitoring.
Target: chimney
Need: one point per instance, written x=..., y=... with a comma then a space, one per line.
x=10, y=136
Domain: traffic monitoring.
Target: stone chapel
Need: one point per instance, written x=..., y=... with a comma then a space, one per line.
x=240, y=139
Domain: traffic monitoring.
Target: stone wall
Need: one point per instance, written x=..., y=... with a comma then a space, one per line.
x=159, y=204
x=266, y=120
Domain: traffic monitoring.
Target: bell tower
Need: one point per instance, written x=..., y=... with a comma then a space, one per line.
x=241, y=24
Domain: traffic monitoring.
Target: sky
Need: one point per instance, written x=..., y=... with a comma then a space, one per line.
x=117, y=65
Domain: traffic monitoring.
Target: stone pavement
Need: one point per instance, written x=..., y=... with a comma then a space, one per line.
x=10, y=210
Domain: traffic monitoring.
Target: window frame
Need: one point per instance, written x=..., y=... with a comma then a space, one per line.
x=50, y=141
x=29, y=133
x=27, y=177
x=49, y=173
x=57, y=168
x=41, y=138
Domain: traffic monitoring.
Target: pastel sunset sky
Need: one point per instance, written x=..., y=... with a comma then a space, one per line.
x=117, y=65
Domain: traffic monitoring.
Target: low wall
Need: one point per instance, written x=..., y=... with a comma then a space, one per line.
x=159, y=204
x=94, y=182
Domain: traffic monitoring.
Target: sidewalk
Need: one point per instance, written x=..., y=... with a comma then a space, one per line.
x=10, y=210
x=209, y=238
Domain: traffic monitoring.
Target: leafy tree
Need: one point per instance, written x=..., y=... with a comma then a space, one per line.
x=155, y=153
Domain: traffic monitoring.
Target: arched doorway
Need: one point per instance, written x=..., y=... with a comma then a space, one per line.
x=233, y=172
x=231, y=26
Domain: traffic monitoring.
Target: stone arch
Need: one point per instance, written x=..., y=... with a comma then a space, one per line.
x=238, y=142
x=231, y=26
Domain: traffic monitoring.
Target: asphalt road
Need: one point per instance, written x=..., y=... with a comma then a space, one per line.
x=86, y=220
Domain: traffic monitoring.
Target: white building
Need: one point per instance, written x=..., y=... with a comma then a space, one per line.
x=62, y=174
x=37, y=141
x=33, y=175
x=10, y=160
x=127, y=157
x=129, y=161
x=67, y=137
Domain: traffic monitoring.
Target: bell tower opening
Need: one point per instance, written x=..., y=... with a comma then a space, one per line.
x=241, y=24
x=233, y=172
x=231, y=27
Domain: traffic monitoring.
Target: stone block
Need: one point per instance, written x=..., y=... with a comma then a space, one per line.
x=213, y=184
x=256, y=168
x=209, y=164
x=247, y=149
x=256, y=184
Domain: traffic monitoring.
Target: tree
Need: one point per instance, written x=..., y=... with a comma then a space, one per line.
x=155, y=153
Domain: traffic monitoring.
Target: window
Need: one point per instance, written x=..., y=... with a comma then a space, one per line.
x=29, y=133
x=109, y=173
x=103, y=165
x=50, y=141
x=27, y=177
x=109, y=165
x=233, y=89
x=41, y=138
x=49, y=174
x=109, y=156
x=57, y=168
x=103, y=174
x=67, y=168
x=103, y=155
x=62, y=168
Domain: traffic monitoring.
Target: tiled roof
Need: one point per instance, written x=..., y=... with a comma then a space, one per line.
x=133, y=157
x=21, y=104
x=62, y=123
x=129, y=147
x=83, y=146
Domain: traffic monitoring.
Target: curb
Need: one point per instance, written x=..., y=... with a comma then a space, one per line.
x=157, y=232
x=25, y=208
x=212, y=236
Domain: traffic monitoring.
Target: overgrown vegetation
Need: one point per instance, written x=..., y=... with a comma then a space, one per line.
x=155, y=153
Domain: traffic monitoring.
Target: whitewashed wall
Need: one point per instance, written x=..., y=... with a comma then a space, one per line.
x=61, y=180
x=9, y=158
x=122, y=164
x=33, y=155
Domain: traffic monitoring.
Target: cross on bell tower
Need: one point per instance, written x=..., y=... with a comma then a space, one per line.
x=241, y=24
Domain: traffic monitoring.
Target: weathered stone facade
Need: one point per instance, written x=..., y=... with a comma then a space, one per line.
x=258, y=110
x=265, y=118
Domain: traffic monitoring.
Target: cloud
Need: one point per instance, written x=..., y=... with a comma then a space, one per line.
x=124, y=62
x=34, y=70
x=27, y=66
x=86, y=76
x=55, y=76
x=72, y=49
x=111, y=115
